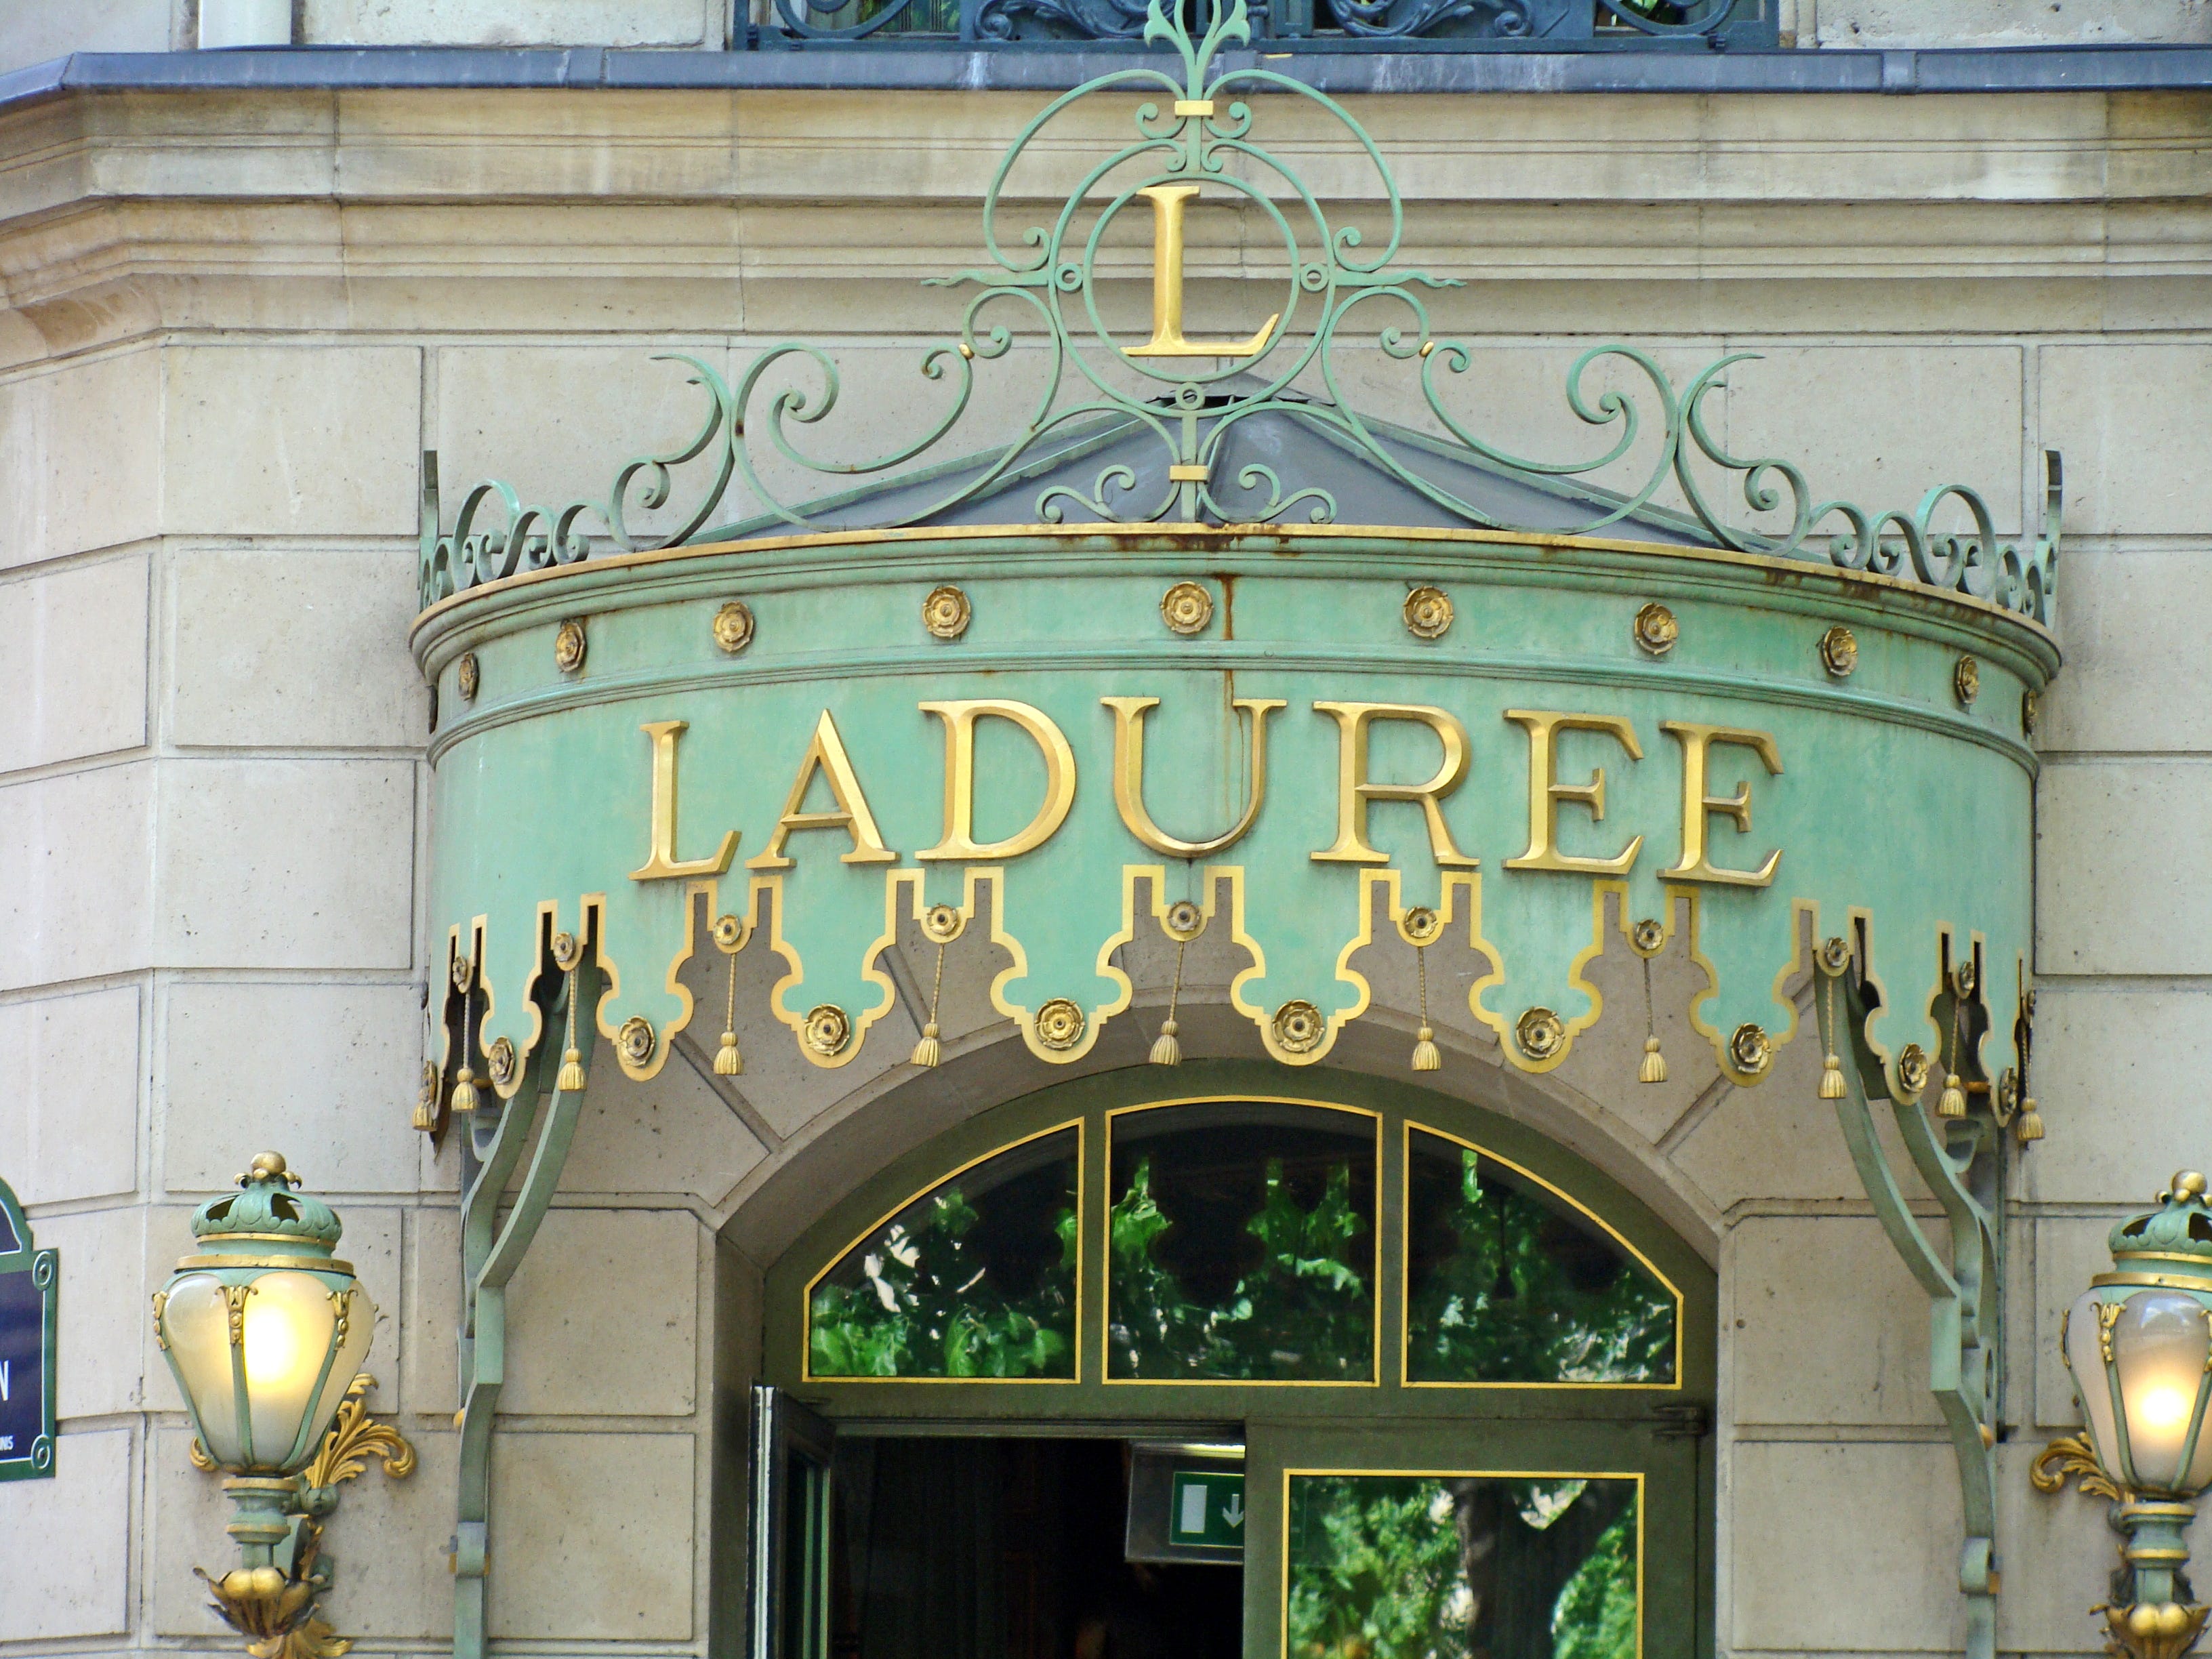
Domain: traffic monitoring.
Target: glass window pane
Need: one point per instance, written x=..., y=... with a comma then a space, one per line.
x=1451, y=1566
x=1242, y=1245
x=1507, y=1282
x=974, y=1278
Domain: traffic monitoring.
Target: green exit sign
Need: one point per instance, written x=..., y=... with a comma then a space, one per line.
x=1206, y=1507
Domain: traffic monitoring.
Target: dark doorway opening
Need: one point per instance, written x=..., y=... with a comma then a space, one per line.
x=974, y=1548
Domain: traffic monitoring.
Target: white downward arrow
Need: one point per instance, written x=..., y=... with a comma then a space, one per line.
x=1233, y=1510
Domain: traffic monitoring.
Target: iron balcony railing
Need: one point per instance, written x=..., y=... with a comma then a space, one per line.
x=1331, y=25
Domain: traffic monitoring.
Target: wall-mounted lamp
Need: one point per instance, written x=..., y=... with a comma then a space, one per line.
x=265, y=1333
x=2139, y=1344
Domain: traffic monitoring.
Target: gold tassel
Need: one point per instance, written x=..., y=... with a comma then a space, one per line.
x=1654, y=1068
x=929, y=1051
x=1952, y=1103
x=2029, y=1125
x=1166, y=1050
x=465, y=1090
x=426, y=1099
x=1425, y=1057
x=570, y=1080
x=1831, y=1068
x=727, y=1062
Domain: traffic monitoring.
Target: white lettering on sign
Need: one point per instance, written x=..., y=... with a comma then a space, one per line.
x=4, y=1364
x=6, y=1442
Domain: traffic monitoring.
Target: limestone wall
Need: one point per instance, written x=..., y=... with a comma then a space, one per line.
x=233, y=323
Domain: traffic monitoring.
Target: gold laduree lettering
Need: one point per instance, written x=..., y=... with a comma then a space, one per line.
x=826, y=755
x=1699, y=806
x=1546, y=792
x=1129, y=776
x=663, y=865
x=1354, y=790
x=960, y=718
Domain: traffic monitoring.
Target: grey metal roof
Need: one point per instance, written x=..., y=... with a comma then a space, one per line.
x=1121, y=462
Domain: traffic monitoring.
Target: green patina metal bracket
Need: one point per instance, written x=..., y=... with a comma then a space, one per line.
x=1958, y=1155
x=548, y=1102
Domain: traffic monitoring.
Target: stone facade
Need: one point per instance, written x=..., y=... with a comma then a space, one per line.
x=232, y=323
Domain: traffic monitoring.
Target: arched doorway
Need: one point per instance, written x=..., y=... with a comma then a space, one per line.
x=1233, y=1364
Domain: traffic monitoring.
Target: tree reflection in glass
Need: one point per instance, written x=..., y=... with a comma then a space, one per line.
x=1404, y=1567
x=1507, y=1282
x=975, y=1278
x=1241, y=1245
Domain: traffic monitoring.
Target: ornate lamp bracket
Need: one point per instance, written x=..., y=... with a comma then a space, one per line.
x=496, y=1232
x=272, y=1600
x=1959, y=1159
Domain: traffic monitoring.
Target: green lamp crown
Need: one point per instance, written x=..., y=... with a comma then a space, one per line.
x=268, y=1209
x=2176, y=1236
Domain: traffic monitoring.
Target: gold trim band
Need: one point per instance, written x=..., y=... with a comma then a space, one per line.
x=2161, y=1281
x=305, y=1263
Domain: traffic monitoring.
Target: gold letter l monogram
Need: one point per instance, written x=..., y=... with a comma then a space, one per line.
x=1167, y=339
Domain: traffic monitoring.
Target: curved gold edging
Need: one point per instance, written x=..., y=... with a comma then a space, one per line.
x=1258, y=538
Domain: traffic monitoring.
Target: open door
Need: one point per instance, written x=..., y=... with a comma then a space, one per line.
x=790, y=1532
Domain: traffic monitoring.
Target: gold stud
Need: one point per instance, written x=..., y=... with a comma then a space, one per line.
x=465, y=674
x=1752, y=1050
x=1298, y=1027
x=568, y=645
x=1186, y=608
x=733, y=626
x=2030, y=707
x=1966, y=680
x=636, y=1040
x=1913, y=1068
x=1060, y=1024
x=1428, y=613
x=946, y=612
x=1839, y=652
x=827, y=1029
x=1656, y=631
x=1540, y=1033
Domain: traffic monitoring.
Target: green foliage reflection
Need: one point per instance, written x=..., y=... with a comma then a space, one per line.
x=1306, y=1312
x=1505, y=1285
x=949, y=1289
x=1426, y=1567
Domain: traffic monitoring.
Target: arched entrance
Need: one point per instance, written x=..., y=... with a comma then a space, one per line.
x=1231, y=1361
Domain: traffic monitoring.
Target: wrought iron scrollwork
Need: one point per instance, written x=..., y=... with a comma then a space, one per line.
x=1193, y=127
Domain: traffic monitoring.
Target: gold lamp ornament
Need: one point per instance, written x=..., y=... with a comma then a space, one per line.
x=264, y=1331
x=2139, y=1344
